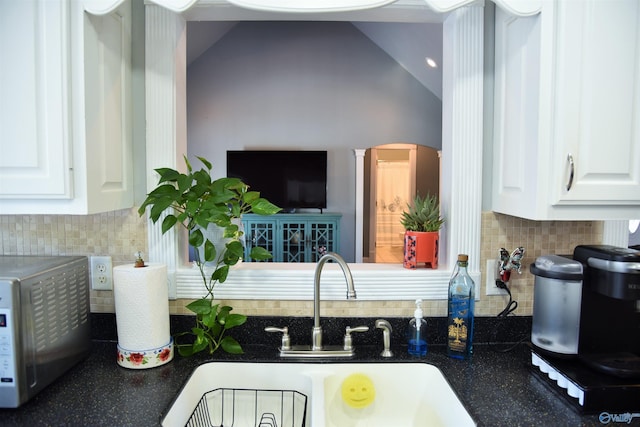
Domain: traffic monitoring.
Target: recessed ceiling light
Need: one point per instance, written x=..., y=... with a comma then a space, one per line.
x=431, y=62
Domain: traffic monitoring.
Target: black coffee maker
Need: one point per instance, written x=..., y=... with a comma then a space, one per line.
x=609, y=336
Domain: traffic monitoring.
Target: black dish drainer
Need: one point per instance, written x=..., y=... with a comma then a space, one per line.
x=234, y=407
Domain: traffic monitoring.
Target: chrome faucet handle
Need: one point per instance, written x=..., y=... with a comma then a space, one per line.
x=386, y=337
x=348, y=343
x=286, y=340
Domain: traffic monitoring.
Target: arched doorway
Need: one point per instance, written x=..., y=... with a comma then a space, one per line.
x=394, y=174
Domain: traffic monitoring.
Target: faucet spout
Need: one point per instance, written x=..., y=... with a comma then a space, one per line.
x=351, y=293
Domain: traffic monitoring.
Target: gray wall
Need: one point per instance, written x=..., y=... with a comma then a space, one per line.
x=306, y=85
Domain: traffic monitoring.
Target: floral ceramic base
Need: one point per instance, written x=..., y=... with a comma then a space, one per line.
x=145, y=359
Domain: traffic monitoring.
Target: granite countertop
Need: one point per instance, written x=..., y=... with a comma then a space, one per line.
x=497, y=388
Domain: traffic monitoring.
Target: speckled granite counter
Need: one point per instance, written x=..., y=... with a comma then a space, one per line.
x=497, y=388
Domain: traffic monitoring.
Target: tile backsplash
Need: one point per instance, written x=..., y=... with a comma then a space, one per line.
x=121, y=234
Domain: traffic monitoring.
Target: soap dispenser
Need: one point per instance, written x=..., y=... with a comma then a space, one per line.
x=417, y=333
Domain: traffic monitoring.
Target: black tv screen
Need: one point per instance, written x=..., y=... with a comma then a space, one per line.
x=288, y=179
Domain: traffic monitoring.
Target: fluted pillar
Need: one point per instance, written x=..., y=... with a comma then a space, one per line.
x=462, y=112
x=165, y=86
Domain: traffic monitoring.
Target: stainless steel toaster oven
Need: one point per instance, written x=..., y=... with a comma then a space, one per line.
x=44, y=322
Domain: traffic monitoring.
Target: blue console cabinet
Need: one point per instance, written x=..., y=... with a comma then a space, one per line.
x=300, y=237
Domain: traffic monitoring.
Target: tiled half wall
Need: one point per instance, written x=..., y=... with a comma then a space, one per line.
x=122, y=233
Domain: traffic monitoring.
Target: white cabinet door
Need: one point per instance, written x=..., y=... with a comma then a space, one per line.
x=108, y=145
x=35, y=127
x=65, y=109
x=567, y=102
x=598, y=102
x=517, y=177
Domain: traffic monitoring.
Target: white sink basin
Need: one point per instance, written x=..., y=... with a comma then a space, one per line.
x=398, y=394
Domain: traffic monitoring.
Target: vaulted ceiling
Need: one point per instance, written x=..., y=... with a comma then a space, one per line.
x=409, y=44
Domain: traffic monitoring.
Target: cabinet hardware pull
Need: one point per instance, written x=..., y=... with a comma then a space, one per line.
x=571, y=171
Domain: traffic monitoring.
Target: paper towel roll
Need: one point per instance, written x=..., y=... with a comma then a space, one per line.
x=142, y=306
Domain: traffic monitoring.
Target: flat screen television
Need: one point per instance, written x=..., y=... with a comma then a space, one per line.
x=288, y=179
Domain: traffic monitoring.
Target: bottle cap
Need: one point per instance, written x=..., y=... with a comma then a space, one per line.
x=418, y=313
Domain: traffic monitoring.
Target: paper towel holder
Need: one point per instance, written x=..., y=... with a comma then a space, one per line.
x=151, y=344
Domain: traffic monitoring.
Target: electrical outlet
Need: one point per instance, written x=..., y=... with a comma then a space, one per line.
x=101, y=273
x=490, y=274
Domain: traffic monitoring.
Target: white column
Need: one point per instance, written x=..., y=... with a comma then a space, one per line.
x=359, y=202
x=165, y=77
x=616, y=233
x=461, y=194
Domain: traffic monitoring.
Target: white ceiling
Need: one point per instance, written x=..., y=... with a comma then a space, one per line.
x=407, y=43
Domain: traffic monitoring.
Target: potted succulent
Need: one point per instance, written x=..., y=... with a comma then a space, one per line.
x=422, y=222
x=194, y=201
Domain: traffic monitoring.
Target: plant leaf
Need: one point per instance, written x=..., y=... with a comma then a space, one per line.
x=209, y=251
x=222, y=315
x=196, y=239
x=186, y=162
x=168, y=222
x=203, y=179
x=234, y=250
x=159, y=206
x=209, y=319
x=264, y=207
x=220, y=274
x=234, y=320
x=184, y=181
x=219, y=217
x=260, y=254
x=205, y=162
x=231, y=346
x=167, y=175
x=142, y=209
x=165, y=190
x=216, y=329
x=200, y=306
x=200, y=336
x=230, y=231
x=250, y=196
x=200, y=344
x=185, y=350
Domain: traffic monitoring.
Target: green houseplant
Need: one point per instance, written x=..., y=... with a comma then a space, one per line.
x=194, y=201
x=423, y=215
x=422, y=222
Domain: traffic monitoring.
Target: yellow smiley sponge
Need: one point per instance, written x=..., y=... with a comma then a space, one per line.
x=358, y=391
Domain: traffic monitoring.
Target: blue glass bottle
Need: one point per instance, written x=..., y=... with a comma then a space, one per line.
x=460, y=311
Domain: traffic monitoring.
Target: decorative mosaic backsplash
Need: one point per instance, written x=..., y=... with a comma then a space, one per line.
x=121, y=234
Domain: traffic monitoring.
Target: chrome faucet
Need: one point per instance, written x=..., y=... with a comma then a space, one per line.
x=317, y=349
x=316, y=337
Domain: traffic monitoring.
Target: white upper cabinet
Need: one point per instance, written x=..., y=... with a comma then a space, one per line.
x=567, y=111
x=65, y=109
